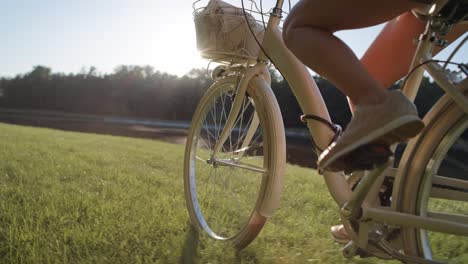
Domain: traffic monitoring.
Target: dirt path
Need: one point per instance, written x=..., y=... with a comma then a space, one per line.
x=299, y=151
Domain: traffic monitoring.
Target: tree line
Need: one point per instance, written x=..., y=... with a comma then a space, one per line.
x=143, y=92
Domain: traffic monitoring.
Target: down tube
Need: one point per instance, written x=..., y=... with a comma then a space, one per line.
x=310, y=100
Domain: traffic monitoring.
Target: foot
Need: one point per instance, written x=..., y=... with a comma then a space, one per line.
x=339, y=234
x=394, y=120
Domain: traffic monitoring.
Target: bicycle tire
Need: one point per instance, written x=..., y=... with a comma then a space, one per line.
x=235, y=215
x=417, y=194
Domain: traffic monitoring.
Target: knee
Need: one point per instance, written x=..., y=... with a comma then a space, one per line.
x=290, y=32
x=296, y=29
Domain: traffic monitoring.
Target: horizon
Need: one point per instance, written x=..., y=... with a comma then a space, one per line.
x=69, y=37
x=95, y=70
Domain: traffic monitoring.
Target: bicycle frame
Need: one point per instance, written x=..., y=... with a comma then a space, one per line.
x=354, y=205
x=305, y=90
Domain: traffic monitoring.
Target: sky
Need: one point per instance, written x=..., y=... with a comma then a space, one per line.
x=69, y=36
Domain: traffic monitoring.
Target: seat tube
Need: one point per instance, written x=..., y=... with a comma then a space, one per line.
x=423, y=53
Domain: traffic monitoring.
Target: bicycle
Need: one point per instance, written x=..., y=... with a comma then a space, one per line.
x=237, y=134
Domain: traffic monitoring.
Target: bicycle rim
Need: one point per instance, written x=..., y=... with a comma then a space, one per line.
x=437, y=197
x=224, y=193
x=436, y=185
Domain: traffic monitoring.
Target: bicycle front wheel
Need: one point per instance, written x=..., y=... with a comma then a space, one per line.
x=436, y=185
x=224, y=192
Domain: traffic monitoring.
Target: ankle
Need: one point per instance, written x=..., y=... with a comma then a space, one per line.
x=374, y=98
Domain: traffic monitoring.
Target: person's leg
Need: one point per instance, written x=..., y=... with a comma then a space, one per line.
x=389, y=57
x=387, y=64
x=384, y=117
x=308, y=33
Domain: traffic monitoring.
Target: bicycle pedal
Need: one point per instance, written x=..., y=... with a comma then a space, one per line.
x=367, y=157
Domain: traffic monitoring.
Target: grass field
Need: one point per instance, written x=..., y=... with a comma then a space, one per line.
x=84, y=198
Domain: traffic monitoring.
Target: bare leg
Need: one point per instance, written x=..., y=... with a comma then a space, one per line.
x=383, y=118
x=390, y=55
x=308, y=33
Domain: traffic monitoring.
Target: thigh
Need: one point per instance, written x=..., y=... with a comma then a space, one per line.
x=335, y=15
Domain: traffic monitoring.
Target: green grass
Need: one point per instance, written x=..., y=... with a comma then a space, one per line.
x=84, y=198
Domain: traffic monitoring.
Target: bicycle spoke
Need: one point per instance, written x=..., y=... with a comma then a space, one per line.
x=241, y=118
x=203, y=143
x=240, y=121
x=242, y=165
x=244, y=149
x=206, y=128
x=228, y=185
x=201, y=159
x=223, y=115
x=214, y=118
x=244, y=135
x=211, y=195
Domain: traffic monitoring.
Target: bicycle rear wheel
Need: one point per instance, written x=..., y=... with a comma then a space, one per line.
x=224, y=193
x=436, y=184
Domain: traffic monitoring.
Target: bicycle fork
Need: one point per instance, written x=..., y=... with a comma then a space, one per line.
x=258, y=69
x=258, y=76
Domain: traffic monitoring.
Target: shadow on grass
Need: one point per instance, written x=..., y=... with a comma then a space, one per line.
x=192, y=246
x=247, y=255
x=189, y=251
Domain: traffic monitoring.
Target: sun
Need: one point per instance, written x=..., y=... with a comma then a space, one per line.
x=174, y=50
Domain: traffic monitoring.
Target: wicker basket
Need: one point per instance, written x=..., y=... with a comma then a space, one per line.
x=223, y=33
